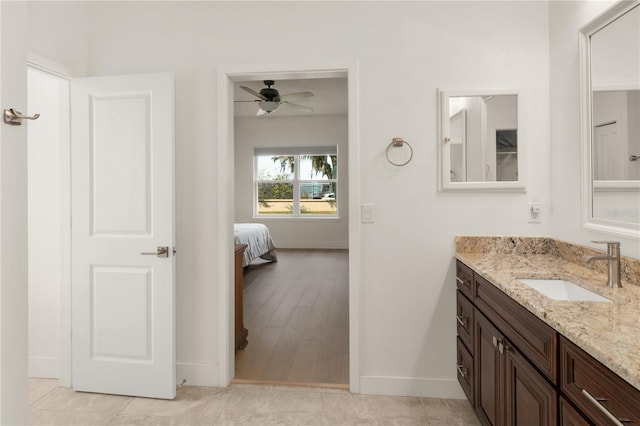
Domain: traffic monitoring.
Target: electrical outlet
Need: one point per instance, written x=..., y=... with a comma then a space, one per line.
x=535, y=211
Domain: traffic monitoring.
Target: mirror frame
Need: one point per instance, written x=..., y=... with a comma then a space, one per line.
x=444, y=176
x=586, y=102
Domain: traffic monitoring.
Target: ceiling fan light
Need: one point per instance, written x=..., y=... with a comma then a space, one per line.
x=268, y=106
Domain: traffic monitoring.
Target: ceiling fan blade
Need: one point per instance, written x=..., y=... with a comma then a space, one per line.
x=253, y=92
x=298, y=107
x=261, y=112
x=253, y=101
x=296, y=96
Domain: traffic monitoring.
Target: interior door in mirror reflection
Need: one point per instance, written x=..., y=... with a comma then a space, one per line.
x=458, y=141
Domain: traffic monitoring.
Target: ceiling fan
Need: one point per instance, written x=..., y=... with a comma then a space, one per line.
x=269, y=99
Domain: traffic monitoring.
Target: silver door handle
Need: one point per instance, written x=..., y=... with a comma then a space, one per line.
x=163, y=251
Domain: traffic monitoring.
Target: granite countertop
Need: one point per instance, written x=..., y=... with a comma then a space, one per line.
x=609, y=332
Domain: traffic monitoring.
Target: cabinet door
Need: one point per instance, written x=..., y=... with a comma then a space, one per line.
x=530, y=399
x=489, y=372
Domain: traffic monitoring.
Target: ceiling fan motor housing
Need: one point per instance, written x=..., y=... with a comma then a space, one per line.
x=269, y=93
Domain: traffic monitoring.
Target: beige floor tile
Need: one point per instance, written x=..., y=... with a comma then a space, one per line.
x=348, y=409
x=69, y=400
x=270, y=406
x=68, y=418
x=187, y=397
x=242, y=404
x=39, y=388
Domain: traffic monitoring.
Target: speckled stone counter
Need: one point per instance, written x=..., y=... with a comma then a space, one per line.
x=610, y=332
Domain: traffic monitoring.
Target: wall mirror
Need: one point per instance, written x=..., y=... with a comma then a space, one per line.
x=610, y=80
x=480, y=143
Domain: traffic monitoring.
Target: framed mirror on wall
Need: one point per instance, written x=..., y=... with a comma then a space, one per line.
x=610, y=107
x=479, y=145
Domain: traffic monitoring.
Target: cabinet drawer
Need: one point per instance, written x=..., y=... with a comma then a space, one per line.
x=464, y=320
x=464, y=364
x=526, y=331
x=597, y=391
x=464, y=279
x=569, y=416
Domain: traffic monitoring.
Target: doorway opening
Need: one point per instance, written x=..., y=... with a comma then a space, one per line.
x=48, y=221
x=288, y=316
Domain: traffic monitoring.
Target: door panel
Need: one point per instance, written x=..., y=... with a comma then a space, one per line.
x=122, y=151
x=120, y=171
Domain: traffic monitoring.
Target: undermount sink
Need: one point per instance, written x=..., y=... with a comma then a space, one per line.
x=562, y=290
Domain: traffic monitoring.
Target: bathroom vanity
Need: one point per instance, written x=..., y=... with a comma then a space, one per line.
x=524, y=358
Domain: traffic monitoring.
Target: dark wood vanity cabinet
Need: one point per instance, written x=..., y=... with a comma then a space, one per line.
x=517, y=370
x=508, y=388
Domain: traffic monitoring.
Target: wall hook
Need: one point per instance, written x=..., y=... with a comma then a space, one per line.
x=13, y=117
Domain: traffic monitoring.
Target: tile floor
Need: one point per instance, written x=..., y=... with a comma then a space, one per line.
x=242, y=404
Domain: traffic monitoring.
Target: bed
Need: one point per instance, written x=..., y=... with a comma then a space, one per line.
x=256, y=236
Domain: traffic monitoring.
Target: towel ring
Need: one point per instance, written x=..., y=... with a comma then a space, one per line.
x=399, y=142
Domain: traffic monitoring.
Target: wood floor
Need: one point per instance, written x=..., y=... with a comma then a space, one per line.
x=297, y=314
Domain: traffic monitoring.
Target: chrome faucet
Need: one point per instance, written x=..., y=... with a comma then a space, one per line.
x=613, y=261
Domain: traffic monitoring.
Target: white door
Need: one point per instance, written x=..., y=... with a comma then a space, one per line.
x=609, y=153
x=122, y=191
x=458, y=146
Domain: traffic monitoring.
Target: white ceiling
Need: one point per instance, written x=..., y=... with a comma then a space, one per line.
x=330, y=97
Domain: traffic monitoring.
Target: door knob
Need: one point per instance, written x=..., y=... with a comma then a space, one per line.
x=163, y=251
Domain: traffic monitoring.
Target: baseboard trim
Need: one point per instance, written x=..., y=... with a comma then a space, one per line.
x=194, y=374
x=44, y=367
x=410, y=386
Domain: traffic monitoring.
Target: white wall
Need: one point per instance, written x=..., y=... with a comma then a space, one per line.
x=565, y=21
x=270, y=132
x=405, y=51
x=58, y=31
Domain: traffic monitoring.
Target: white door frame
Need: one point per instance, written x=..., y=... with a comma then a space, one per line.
x=60, y=71
x=225, y=165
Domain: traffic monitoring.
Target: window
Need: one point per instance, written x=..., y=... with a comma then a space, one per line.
x=296, y=182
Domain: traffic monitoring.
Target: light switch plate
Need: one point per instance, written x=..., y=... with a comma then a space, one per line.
x=367, y=214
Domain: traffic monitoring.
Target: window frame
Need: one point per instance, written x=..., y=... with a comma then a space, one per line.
x=296, y=181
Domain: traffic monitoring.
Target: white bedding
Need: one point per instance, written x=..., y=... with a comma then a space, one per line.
x=256, y=236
